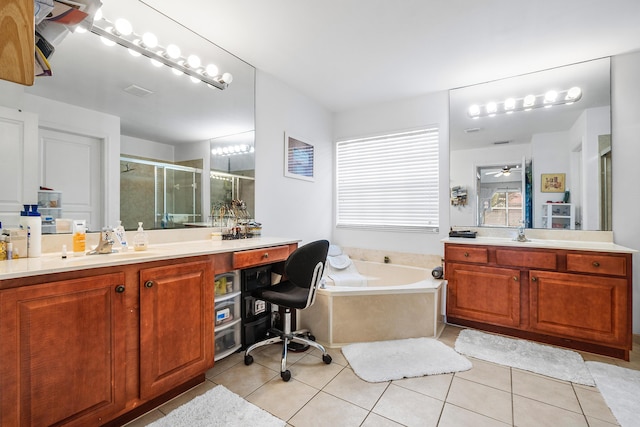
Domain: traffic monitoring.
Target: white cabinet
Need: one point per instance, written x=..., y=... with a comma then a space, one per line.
x=227, y=315
x=558, y=215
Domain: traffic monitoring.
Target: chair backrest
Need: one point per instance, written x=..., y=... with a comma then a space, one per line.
x=305, y=266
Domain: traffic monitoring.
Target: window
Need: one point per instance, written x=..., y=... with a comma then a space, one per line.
x=389, y=182
x=504, y=209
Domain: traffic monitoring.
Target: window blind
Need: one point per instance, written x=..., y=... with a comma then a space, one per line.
x=389, y=182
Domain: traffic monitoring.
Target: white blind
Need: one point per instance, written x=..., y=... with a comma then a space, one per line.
x=389, y=182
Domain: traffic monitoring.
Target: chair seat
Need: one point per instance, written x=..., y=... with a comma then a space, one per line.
x=284, y=294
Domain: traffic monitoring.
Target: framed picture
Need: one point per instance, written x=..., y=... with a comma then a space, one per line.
x=299, y=159
x=552, y=183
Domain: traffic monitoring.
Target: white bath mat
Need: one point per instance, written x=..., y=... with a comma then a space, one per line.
x=218, y=407
x=412, y=357
x=620, y=388
x=530, y=356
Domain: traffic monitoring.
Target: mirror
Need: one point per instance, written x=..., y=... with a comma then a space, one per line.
x=164, y=117
x=547, y=165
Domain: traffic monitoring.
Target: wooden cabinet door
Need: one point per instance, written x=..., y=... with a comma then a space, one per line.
x=483, y=294
x=578, y=306
x=176, y=325
x=17, y=34
x=62, y=352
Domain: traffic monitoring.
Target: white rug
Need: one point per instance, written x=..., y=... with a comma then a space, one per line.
x=620, y=388
x=218, y=407
x=542, y=359
x=412, y=357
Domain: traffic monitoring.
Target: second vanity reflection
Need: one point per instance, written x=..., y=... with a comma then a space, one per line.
x=569, y=143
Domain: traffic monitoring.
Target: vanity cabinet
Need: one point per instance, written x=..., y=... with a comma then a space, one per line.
x=572, y=298
x=17, y=29
x=62, y=347
x=176, y=325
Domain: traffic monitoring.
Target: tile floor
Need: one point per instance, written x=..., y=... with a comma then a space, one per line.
x=332, y=395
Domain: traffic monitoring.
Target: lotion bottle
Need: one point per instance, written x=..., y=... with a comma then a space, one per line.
x=140, y=241
x=121, y=236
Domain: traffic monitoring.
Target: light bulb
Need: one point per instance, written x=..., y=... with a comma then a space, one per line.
x=474, y=110
x=173, y=51
x=227, y=78
x=211, y=70
x=149, y=40
x=492, y=107
x=123, y=27
x=107, y=42
x=528, y=102
x=550, y=97
x=193, y=61
x=509, y=105
x=574, y=93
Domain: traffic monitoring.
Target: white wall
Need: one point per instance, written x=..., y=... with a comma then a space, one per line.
x=625, y=154
x=131, y=146
x=412, y=113
x=289, y=207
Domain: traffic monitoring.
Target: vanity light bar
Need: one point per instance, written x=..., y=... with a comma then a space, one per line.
x=110, y=32
x=529, y=102
x=231, y=150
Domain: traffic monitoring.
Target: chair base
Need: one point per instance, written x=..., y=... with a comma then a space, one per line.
x=287, y=337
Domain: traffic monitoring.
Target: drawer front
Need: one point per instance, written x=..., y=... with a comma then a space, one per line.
x=597, y=263
x=253, y=257
x=466, y=253
x=531, y=259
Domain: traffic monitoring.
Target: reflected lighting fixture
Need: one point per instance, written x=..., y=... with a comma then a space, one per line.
x=232, y=150
x=527, y=103
x=121, y=32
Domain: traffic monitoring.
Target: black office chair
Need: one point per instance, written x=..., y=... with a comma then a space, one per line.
x=303, y=272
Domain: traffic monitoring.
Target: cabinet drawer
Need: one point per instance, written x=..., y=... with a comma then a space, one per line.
x=466, y=254
x=609, y=265
x=528, y=258
x=261, y=256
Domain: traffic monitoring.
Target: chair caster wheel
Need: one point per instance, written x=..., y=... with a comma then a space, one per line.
x=326, y=358
x=286, y=375
x=248, y=359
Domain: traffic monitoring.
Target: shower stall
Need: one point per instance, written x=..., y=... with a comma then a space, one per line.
x=160, y=195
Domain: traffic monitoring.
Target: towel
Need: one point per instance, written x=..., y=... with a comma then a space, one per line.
x=348, y=276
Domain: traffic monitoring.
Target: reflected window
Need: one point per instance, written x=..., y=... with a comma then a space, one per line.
x=502, y=209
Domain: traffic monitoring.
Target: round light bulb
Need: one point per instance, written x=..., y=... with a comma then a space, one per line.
x=529, y=100
x=123, y=27
x=509, y=104
x=474, y=110
x=574, y=93
x=211, y=70
x=227, y=78
x=550, y=96
x=149, y=40
x=107, y=42
x=173, y=51
x=492, y=107
x=193, y=61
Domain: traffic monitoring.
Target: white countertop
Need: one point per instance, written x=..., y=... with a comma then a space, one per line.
x=50, y=263
x=578, y=245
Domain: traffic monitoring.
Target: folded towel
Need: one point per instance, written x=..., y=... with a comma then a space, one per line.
x=339, y=262
x=348, y=276
x=334, y=250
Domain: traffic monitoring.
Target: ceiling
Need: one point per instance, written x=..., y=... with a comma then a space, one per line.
x=348, y=53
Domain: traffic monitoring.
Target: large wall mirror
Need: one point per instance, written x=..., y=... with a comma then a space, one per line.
x=165, y=119
x=533, y=149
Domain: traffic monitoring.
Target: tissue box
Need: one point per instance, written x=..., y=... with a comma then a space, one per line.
x=19, y=239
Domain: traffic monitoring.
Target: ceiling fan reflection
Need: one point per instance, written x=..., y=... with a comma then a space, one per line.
x=505, y=171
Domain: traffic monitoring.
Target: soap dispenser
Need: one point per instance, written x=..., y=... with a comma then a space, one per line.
x=140, y=241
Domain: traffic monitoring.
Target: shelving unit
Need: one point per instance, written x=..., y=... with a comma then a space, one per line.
x=50, y=207
x=558, y=216
x=227, y=314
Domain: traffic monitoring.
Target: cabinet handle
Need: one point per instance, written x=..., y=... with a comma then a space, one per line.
x=266, y=255
x=148, y=284
x=466, y=254
x=120, y=289
x=515, y=278
x=534, y=279
x=595, y=264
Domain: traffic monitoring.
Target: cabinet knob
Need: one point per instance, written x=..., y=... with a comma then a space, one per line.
x=534, y=279
x=120, y=289
x=466, y=254
x=595, y=264
x=148, y=284
x=266, y=255
x=515, y=278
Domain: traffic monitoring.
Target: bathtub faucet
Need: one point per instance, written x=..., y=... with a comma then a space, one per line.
x=387, y=260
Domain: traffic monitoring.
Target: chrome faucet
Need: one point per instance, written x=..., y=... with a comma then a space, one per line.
x=105, y=245
x=521, y=237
